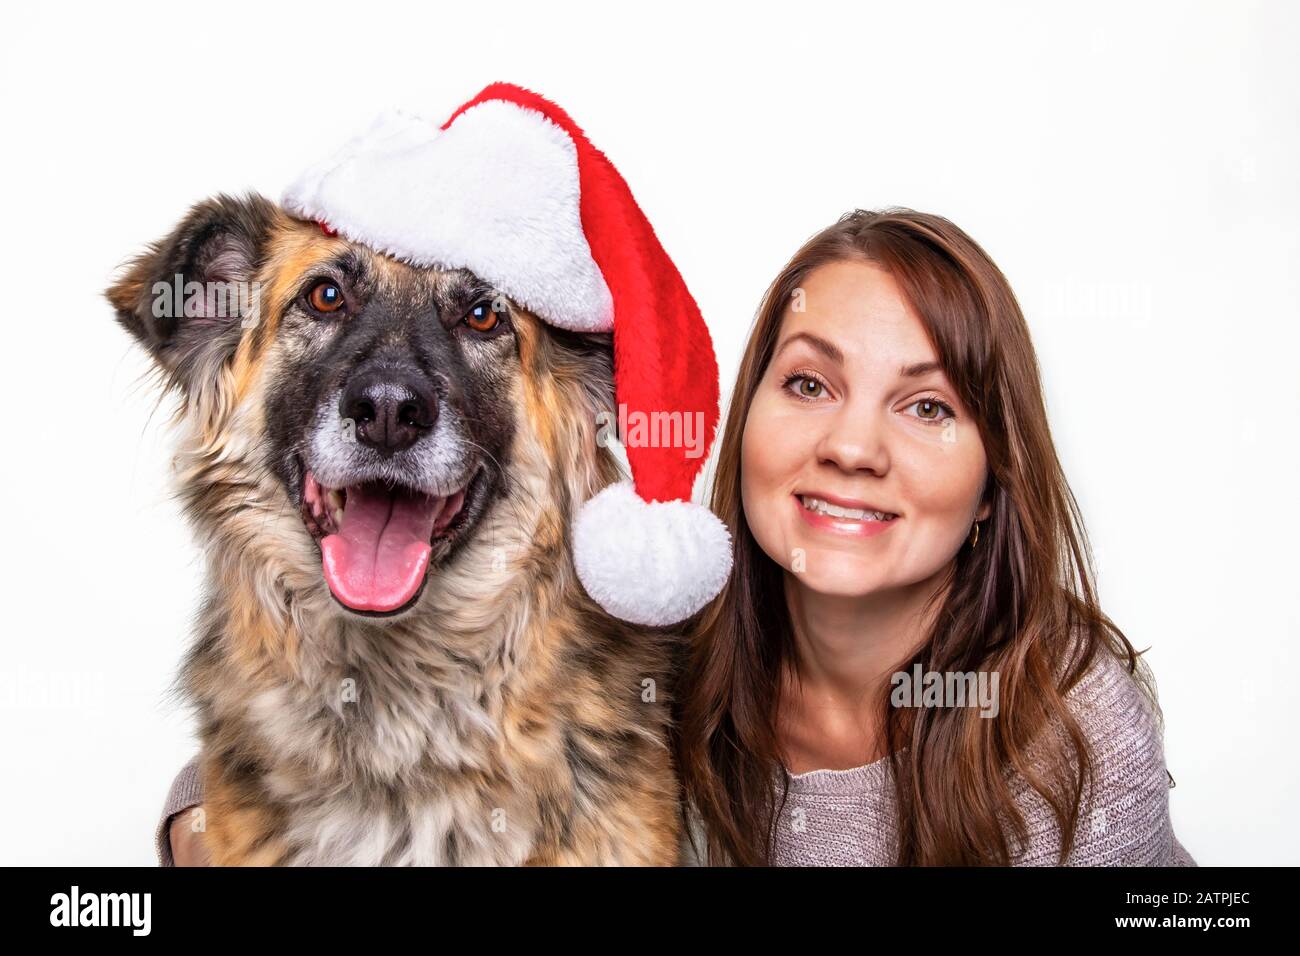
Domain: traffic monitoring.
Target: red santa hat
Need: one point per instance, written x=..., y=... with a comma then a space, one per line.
x=510, y=188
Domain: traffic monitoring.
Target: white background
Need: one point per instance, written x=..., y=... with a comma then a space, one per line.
x=1132, y=168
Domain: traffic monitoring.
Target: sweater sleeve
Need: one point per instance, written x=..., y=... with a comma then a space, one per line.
x=1124, y=815
x=186, y=791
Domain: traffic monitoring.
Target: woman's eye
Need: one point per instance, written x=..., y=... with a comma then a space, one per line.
x=932, y=410
x=805, y=386
x=482, y=318
x=325, y=296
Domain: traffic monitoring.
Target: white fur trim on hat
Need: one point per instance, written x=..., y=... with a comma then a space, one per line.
x=496, y=193
x=651, y=563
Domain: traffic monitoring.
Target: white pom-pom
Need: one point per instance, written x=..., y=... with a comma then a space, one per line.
x=652, y=563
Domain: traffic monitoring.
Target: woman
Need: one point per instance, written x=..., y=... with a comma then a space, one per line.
x=899, y=510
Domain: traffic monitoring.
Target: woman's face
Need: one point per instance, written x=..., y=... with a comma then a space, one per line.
x=854, y=415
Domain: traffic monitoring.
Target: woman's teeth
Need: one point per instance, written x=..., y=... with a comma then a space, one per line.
x=835, y=511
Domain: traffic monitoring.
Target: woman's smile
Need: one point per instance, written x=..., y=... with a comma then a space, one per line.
x=847, y=516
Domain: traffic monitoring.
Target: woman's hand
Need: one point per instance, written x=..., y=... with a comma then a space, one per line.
x=188, y=848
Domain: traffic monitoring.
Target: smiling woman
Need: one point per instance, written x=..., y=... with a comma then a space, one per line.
x=890, y=481
x=853, y=381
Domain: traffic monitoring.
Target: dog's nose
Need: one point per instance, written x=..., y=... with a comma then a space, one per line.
x=389, y=408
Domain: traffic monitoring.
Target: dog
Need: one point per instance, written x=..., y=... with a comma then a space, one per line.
x=394, y=662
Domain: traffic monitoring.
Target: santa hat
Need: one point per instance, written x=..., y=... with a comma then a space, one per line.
x=510, y=188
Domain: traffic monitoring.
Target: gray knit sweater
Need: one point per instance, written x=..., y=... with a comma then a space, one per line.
x=846, y=817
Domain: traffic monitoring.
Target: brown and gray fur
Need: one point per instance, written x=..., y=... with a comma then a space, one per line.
x=504, y=718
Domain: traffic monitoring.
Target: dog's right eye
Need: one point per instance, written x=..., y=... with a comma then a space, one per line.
x=325, y=296
x=483, y=316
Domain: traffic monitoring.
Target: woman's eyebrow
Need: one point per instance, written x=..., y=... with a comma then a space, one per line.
x=835, y=355
x=920, y=368
x=817, y=342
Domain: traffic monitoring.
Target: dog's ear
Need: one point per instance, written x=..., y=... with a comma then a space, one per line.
x=190, y=296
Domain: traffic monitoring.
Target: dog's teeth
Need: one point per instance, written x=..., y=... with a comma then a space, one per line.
x=337, y=517
x=335, y=500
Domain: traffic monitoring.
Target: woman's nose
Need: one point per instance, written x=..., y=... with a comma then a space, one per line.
x=855, y=440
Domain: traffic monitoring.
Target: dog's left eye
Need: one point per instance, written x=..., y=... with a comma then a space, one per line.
x=482, y=317
x=325, y=296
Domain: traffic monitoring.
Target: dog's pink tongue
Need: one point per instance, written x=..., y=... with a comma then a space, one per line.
x=378, y=558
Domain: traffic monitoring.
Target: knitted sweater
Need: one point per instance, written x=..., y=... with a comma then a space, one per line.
x=186, y=791
x=846, y=817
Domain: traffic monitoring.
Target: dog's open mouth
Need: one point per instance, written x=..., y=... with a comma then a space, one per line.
x=377, y=539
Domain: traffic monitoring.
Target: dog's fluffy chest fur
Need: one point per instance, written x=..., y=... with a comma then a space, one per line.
x=502, y=737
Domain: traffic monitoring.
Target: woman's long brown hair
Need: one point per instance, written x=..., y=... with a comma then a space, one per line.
x=1022, y=603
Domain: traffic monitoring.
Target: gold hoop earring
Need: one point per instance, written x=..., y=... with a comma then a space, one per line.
x=975, y=538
